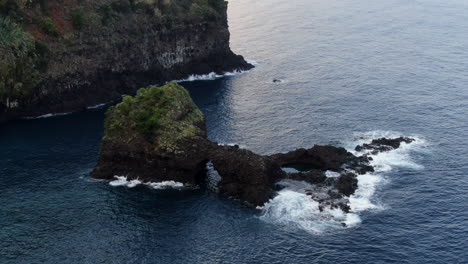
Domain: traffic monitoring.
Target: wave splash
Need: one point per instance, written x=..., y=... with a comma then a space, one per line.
x=123, y=181
x=292, y=207
x=209, y=77
x=213, y=75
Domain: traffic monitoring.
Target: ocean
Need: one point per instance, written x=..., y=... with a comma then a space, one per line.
x=337, y=72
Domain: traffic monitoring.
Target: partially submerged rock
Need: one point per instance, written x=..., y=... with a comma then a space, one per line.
x=318, y=157
x=383, y=144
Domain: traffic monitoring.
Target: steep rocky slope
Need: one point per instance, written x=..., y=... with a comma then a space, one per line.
x=63, y=55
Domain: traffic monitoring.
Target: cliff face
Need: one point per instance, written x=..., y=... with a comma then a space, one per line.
x=71, y=55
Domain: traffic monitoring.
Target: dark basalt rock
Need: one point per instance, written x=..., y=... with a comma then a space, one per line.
x=347, y=184
x=186, y=166
x=360, y=164
x=245, y=175
x=313, y=176
x=383, y=144
x=319, y=157
x=330, y=198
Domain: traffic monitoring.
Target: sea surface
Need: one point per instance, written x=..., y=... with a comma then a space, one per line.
x=347, y=71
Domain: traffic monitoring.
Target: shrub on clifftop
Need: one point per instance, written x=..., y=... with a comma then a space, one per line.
x=159, y=115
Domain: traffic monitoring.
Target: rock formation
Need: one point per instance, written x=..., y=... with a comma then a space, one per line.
x=245, y=175
x=160, y=135
x=157, y=135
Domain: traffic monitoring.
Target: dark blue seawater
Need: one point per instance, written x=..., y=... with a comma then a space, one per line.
x=349, y=69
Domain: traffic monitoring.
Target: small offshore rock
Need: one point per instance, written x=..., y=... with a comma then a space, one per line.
x=383, y=144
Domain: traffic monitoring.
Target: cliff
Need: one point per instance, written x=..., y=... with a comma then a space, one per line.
x=63, y=55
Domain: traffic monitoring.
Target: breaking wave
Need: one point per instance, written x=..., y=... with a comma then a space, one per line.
x=293, y=208
x=123, y=181
x=213, y=75
x=48, y=115
x=209, y=77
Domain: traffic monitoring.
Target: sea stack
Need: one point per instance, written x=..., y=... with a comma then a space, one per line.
x=157, y=135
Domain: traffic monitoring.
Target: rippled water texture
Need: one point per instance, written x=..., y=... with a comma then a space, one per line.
x=347, y=71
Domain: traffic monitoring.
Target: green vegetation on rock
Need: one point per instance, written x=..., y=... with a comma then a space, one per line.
x=18, y=75
x=48, y=27
x=78, y=18
x=27, y=30
x=160, y=116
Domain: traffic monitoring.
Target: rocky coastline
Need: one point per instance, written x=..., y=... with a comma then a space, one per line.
x=63, y=56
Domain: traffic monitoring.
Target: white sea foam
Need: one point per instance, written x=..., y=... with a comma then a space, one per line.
x=49, y=115
x=213, y=177
x=166, y=185
x=292, y=207
x=209, y=77
x=296, y=209
x=213, y=75
x=123, y=181
x=383, y=162
x=232, y=145
x=253, y=62
x=361, y=200
x=62, y=114
x=332, y=174
x=96, y=106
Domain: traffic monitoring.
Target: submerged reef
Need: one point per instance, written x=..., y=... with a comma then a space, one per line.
x=160, y=135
